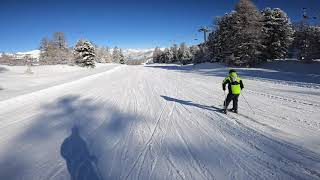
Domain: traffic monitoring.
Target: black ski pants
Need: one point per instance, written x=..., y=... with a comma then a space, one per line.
x=234, y=98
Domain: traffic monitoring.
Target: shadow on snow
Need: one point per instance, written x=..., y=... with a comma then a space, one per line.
x=96, y=128
x=81, y=165
x=80, y=150
x=3, y=69
x=190, y=103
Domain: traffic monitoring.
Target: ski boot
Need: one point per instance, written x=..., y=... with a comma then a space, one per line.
x=224, y=111
x=234, y=110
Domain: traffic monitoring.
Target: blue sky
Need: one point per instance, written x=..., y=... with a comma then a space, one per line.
x=123, y=23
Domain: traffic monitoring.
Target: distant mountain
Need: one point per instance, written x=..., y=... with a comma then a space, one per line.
x=137, y=54
x=33, y=54
x=20, y=55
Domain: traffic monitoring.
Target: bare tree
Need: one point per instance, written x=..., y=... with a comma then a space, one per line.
x=59, y=40
x=55, y=51
x=44, y=48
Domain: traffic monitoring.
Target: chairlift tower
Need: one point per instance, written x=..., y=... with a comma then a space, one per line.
x=204, y=30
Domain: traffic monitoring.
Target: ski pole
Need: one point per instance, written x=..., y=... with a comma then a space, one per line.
x=224, y=101
x=248, y=103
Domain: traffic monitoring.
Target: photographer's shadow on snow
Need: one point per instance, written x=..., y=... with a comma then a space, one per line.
x=81, y=165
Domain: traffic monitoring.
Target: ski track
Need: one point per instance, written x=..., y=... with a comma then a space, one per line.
x=141, y=122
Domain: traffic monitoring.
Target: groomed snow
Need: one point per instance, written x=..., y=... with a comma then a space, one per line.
x=157, y=122
x=15, y=81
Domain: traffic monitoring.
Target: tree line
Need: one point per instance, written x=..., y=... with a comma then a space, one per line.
x=181, y=54
x=85, y=53
x=247, y=36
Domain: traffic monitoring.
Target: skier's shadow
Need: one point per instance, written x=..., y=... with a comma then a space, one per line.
x=81, y=165
x=190, y=103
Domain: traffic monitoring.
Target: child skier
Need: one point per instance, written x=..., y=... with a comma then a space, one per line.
x=235, y=86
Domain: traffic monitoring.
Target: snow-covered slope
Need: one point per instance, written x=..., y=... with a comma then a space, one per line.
x=15, y=81
x=160, y=122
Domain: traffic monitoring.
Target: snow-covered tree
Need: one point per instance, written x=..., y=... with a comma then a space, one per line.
x=221, y=41
x=195, y=52
x=248, y=32
x=107, y=55
x=44, y=48
x=212, y=46
x=239, y=35
x=167, y=55
x=156, y=55
x=307, y=42
x=121, y=57
x=278, y=33
x=99, y=54
x=55, y=51
x=84, y=53
x=174, y=49
x=200, y=54
x=116, y=55
x=103, y=54
x=184, y=54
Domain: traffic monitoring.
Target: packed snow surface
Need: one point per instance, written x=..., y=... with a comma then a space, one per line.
x=157, y=122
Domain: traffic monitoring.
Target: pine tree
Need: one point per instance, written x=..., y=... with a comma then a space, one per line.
x=237, y=39
x=107, y=55
x=278, y=33
x=156, y=55
x=44, y=48
x=184, y=54
x=248, y=33
x=224, y=41
x=160, y=57
x=121, y=57
x=116, y=55
x=307, y=42
x=211, y=46
x=167, y=55
x=99, y=54
x=84, y=53
x=174, y=49
x=195, y=54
